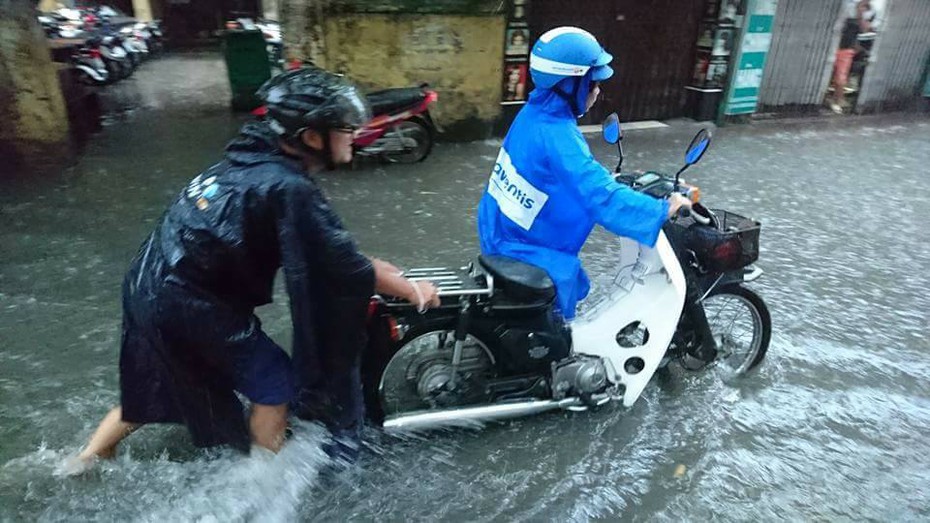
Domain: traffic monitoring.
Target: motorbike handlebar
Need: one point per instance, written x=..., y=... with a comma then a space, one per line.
x=660, y=186
x=684, y=212
x=698, y=217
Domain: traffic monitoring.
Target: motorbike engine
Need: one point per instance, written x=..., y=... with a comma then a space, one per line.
x=578, y=375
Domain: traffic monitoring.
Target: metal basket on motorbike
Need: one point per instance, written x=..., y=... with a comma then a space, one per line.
x=731, y=246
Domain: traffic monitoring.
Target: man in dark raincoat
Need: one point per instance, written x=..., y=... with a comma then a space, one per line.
x=190, y=337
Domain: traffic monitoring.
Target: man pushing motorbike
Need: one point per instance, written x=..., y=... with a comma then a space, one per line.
x=546, y=190
x=190, y=338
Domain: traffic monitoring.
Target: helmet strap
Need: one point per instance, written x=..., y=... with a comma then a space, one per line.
x=571, y=98
x=327, y=153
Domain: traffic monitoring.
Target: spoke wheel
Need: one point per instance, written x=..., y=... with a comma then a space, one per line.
x=742, y=328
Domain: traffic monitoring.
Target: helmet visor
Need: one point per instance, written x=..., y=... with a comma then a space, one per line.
x=601, y=73
x=603, y=59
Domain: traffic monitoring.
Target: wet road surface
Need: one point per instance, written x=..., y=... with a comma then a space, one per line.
x=832, y=427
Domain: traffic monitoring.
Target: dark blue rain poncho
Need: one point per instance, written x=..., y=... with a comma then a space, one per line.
x=547, y=191
x=190, y=293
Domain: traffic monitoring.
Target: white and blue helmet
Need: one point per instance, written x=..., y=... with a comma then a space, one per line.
x=566, y=52
x=568, y=60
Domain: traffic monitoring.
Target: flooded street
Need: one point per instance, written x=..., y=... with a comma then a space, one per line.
x=832, y=427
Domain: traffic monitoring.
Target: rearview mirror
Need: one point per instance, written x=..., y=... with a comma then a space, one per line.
x=696, y=150
x=610, y=129
x=698, y=147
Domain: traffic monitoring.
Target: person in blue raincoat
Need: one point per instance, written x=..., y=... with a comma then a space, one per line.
x=546, y=190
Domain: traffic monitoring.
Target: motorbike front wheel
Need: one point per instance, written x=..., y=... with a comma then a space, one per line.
x=741, y=325
x=85, y=78
x=412, y=142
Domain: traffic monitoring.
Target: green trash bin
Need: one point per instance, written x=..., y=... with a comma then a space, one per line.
x=247, y=66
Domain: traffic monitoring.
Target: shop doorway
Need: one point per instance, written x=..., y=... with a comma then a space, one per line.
x=653, y=47
x=859, y=22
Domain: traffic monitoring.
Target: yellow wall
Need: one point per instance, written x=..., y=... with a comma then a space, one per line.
x=29, y=83
x=142, y=10
x=48, y=5
x=459, y=56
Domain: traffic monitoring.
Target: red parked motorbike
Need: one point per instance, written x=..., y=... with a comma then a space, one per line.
x=402, y=130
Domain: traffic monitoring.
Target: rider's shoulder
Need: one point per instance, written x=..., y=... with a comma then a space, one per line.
x=551, y=129
x=283, y=175
x=298, y=186
x=564, y=135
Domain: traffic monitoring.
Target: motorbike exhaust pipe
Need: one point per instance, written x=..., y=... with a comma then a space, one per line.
x=474, y=416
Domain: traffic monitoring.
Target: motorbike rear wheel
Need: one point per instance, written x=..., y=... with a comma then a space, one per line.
x=412, y=377
x=741, y=325
x=416, y=142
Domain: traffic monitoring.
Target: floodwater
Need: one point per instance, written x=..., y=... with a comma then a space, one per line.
x=832, y=427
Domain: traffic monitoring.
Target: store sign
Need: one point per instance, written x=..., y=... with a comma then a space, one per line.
x=516, y=54
x=743, y=95
x=715, y=44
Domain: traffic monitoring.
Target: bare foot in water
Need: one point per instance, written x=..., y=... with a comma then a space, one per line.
x=102, y=444
x=75, y=466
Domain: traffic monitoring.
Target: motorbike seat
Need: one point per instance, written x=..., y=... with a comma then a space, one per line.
x=391, y=100
x=519, y=280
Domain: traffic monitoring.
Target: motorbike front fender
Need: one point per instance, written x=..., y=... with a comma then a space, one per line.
x=93, y=73
x=649, y=290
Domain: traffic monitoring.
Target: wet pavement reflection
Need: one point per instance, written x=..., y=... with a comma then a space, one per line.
x=831, y=427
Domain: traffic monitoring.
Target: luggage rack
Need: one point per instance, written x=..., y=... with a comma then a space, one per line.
x=454, y=282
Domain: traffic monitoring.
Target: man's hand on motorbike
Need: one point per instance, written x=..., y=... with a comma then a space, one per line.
x=389, y=280
x=423, y=294
x=676, y=203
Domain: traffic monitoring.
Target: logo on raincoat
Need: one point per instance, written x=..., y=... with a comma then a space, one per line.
x=516, y=197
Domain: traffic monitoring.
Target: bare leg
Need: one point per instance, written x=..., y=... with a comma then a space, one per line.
x=102, y=444
x=111, y=431
x=267, y=424
x=839, y=92
x=842, y=65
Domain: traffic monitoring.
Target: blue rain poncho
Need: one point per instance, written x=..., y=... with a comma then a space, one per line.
x=546, y=193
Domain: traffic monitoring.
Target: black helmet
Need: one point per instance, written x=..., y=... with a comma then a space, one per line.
x=311, y=98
